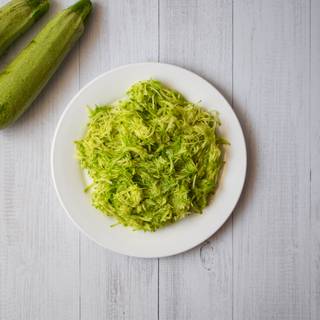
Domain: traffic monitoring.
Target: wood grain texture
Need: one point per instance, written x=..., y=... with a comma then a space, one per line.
x=271, y=236
x=39, y=268
x=115, y=286
x=264, y=55
x=198, y=284
x=315, y=159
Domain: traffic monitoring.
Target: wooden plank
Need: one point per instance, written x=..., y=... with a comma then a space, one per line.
x=115, y=286
x=315, y=159
x=38, y=245
x=271, y=237
x=198, y=35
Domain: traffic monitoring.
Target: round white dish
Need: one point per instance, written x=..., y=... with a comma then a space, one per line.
x=69, y=180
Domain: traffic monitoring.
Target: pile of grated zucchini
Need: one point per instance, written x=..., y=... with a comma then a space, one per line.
x=153, y=157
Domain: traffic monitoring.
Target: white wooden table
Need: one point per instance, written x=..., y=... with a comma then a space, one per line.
x=264, y=55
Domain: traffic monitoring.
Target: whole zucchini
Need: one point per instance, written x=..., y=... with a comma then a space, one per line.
x=23, y=79
x=16, y=17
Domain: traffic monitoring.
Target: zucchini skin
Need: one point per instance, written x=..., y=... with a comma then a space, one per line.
x=24, y=78
x=16, y=17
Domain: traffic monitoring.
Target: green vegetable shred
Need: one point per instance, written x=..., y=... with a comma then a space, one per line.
x=153, y=157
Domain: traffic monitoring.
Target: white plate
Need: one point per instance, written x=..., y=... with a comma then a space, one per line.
x=69, y=180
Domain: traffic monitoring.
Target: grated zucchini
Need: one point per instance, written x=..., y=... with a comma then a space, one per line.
x=153, y=157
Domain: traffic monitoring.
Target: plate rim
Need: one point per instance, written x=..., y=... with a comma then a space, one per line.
x=53, y=144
